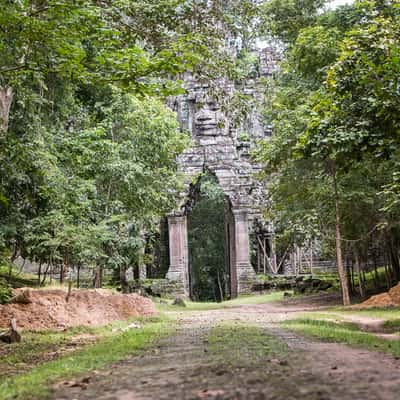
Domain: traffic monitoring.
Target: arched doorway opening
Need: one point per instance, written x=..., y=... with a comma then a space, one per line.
x=209, y=264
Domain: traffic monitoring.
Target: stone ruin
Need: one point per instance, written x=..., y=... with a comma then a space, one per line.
x=224, y=150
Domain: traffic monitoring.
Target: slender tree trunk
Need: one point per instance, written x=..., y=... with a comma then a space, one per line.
x=395, y=262
x=45, y=274
x=221, y=294
x=376, y=275
x=97, y=278
x=69, y=274
x=264, y=258
x=78, y=276
x=6, y=98
x=122, y=278
x=51, y=272
x=69, y=290
x=39, y=273
x=352, y=279
x=361, y=284
x=387, y=276
x=339, y=257
x=141, y=263
x=62, y=273
x=22, y=267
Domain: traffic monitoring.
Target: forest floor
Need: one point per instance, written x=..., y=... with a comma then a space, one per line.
x=252, y=352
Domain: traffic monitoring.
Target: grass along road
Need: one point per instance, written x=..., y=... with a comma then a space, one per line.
x=99, y=347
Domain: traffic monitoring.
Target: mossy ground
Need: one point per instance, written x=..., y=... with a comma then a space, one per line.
x=237, y=343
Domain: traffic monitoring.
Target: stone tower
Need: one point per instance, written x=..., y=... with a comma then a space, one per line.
x=223, y=150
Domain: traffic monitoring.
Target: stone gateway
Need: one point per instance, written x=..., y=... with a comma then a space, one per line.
x=223, y=150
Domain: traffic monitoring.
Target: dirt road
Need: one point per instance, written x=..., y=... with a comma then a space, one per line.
x=214, y=356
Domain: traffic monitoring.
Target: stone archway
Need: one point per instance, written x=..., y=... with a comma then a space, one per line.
x=237, y=233
x=241, y=271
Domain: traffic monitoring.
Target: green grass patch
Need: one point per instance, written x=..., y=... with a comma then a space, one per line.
x=204, y=306
x=255, y=299
x=393, y=324
x=331, y=316
x=111, y=347
x=378, y=313
x=35, y=347
x=343, y=332
x=234, y=344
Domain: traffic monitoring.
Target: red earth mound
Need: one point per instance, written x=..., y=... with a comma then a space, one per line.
x=388, y=299
x=48, y=309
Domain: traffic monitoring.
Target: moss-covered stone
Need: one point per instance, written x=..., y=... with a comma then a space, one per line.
x=163, y=288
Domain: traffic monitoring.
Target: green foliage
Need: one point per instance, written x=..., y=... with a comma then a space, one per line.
x=140, y=45
x=284, y=19
x=5, y=291
x=244, y=137
x=97, y=185
x=314, y=49
x=334, y=153
x=88, y=147
x=206, y=233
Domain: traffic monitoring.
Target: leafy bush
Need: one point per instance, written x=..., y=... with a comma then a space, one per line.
x=5, y=292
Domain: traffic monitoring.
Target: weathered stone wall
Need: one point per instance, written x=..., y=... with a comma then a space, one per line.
x=221, y=147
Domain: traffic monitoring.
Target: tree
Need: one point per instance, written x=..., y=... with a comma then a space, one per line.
x=87, y=147
x=315, y=149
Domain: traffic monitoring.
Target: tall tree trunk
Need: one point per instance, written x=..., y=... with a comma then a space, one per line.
x=376, y=275
x=97, y=280
x=141, y=263
x=61, y=273
x=122, y=278
x=40, y=273
x=339, y=257
x=350, y=274
x=221, y=293
x=45, y=275
x=387, y=277
x=69, y=274
x=101, y=271
x=78, y=276
x=395, y=263
x=361, y=284
x=6, y=98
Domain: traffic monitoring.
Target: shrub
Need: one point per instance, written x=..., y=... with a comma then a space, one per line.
x=5, y=292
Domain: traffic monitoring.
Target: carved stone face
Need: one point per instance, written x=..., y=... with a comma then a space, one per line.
x=207, y=118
